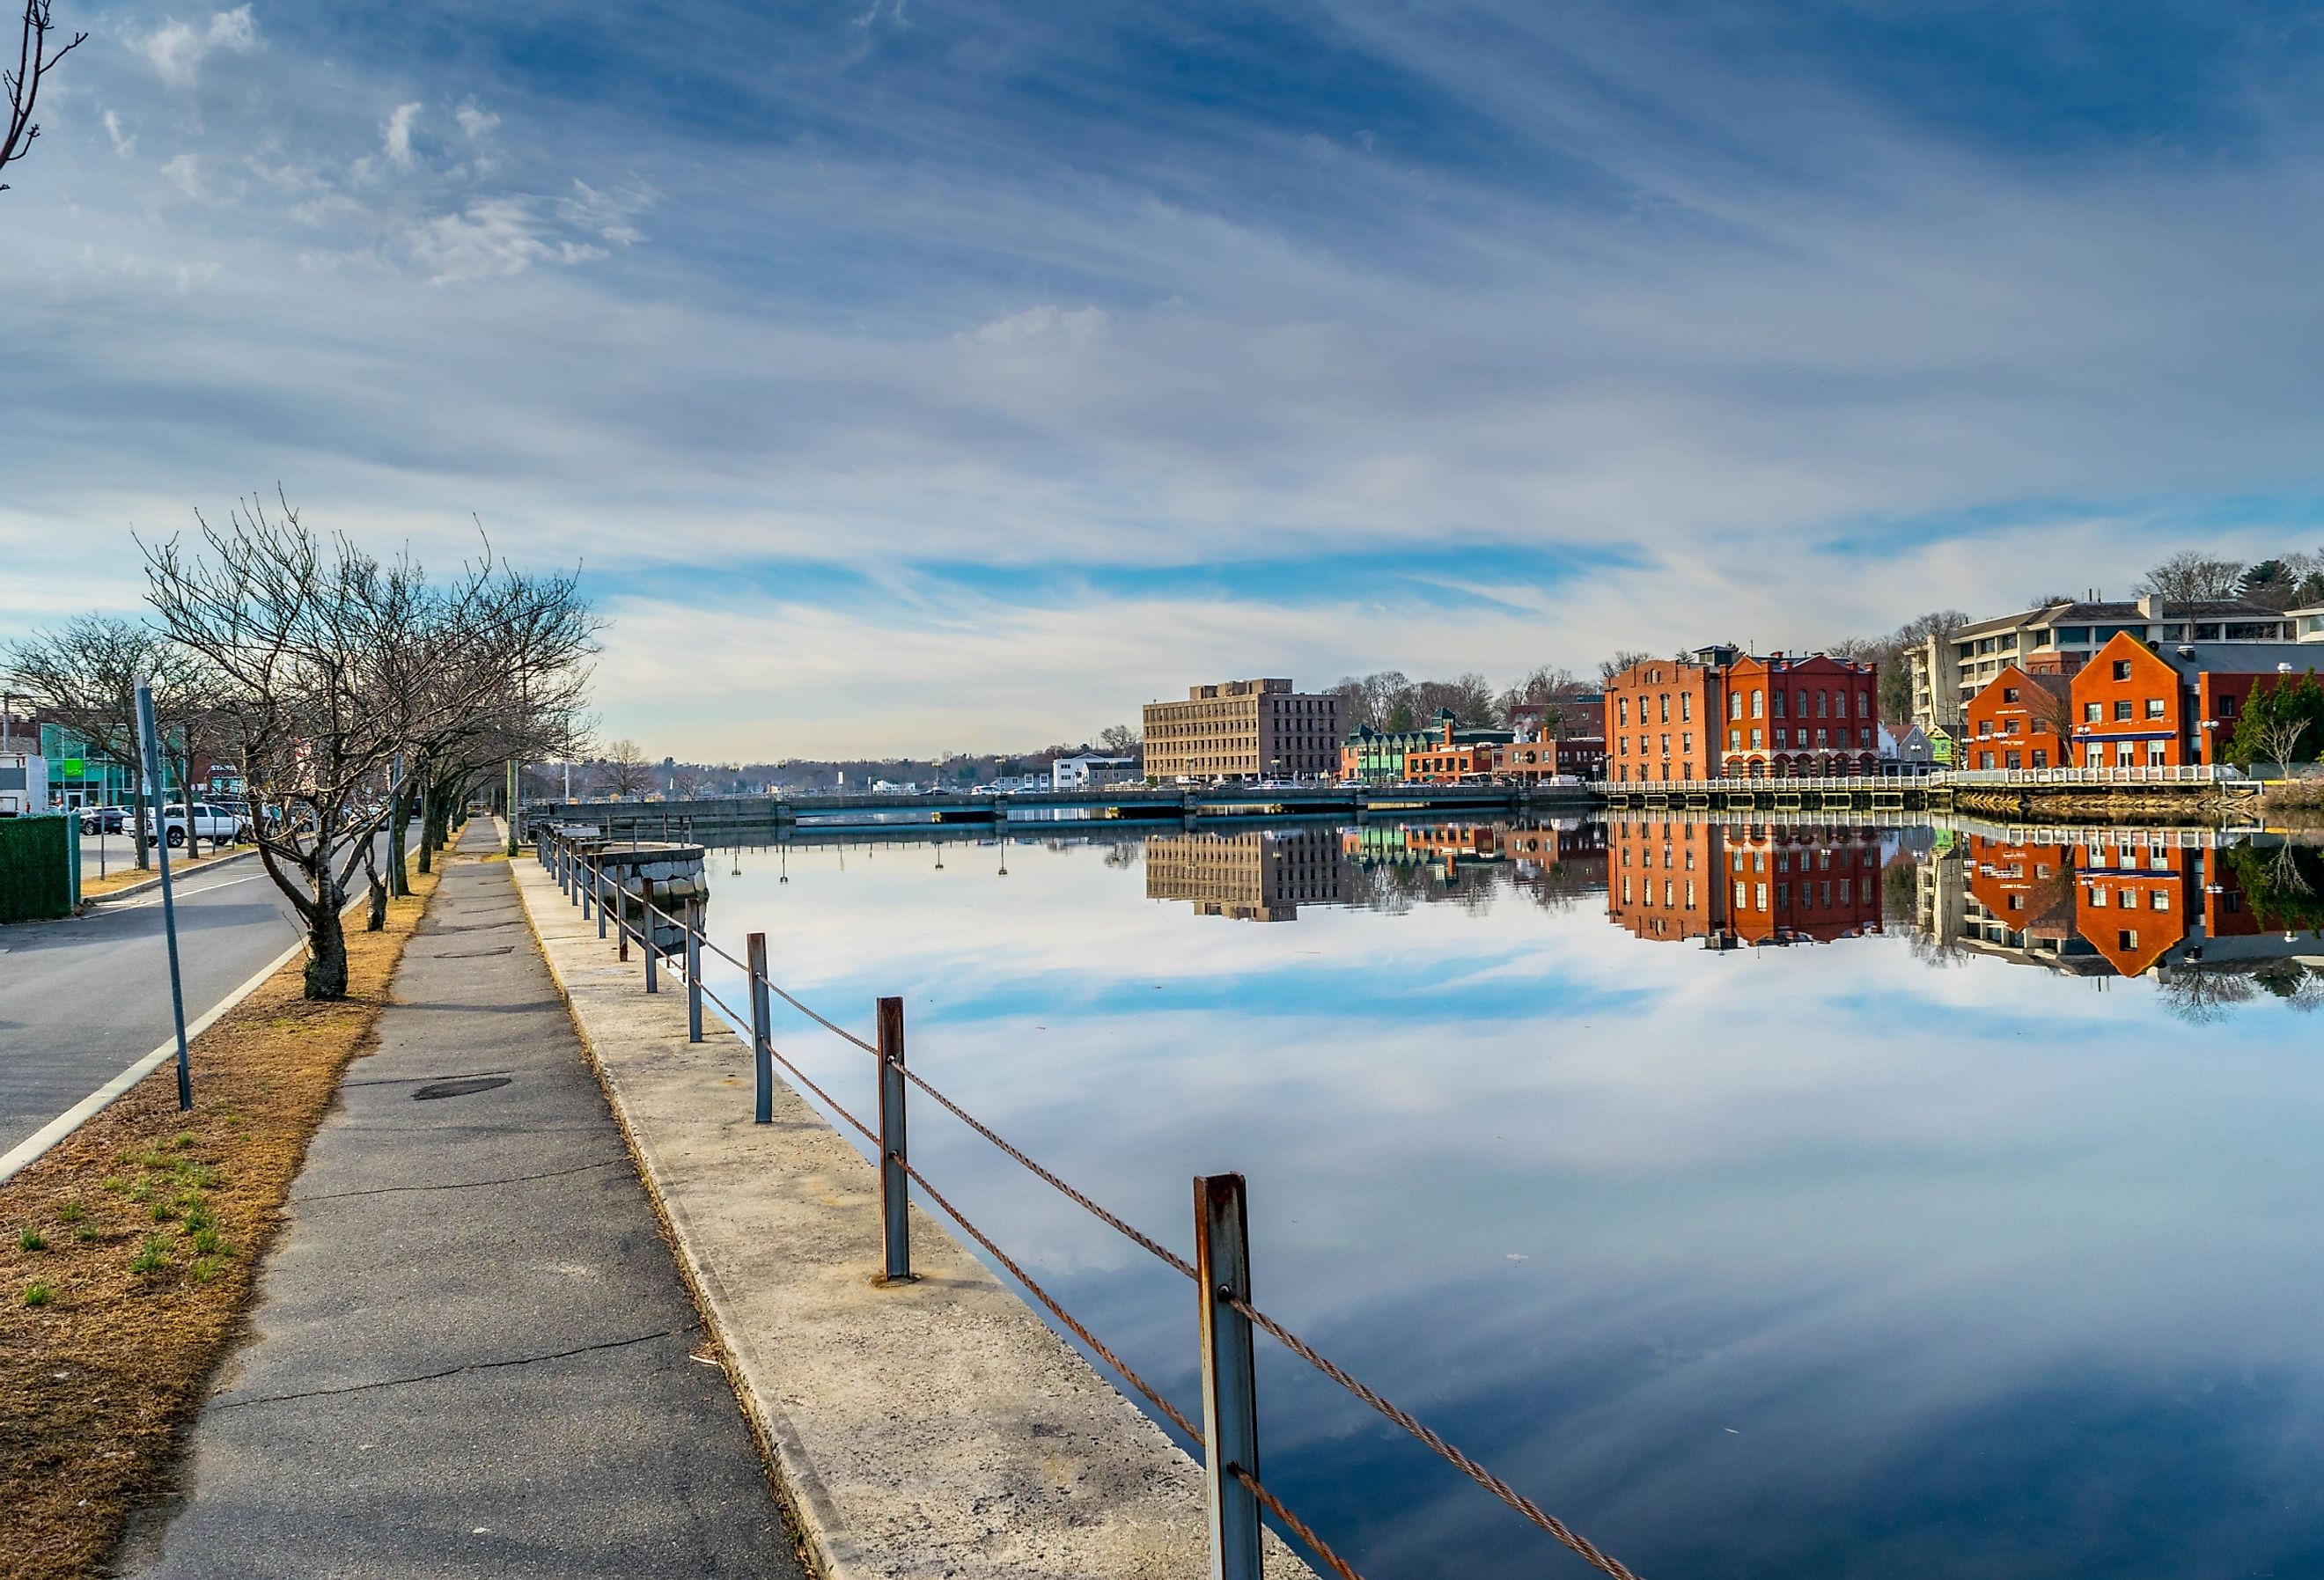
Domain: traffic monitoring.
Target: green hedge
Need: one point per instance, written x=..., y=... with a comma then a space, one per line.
x=37, y=857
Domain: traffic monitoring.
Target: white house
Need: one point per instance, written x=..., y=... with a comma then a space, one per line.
x=1094, y=772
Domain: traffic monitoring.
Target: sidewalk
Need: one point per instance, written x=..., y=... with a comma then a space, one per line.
x=472, y=1354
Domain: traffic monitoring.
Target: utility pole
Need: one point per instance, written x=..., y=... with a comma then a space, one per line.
x=149, y=752
x=514, y=787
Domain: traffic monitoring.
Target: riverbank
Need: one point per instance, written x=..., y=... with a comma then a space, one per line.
x=930, y=1427
x=132, y=1245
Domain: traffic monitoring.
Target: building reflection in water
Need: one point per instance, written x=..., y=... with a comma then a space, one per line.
x=1258, y=875
x=1736, y=884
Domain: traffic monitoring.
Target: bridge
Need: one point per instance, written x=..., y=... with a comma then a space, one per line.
x=1184, y=806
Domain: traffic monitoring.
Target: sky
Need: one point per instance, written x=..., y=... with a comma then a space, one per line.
x=911, y=377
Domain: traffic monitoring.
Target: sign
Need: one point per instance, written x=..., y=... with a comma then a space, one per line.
x=72, y=768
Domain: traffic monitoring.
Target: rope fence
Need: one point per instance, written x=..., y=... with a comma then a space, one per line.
x=1230, y=1413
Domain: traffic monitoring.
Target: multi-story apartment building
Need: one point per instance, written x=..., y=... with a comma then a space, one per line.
x=2061, y=638
x=1742, y=715
x=2021, y=719
x=1263, y=875
x=1243, y=729
x=2135, y=705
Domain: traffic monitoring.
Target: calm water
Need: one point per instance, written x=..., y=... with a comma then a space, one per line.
x=1766, y=1202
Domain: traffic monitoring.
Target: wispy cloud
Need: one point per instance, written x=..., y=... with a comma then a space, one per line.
x=1776, y=322
x=176, y=49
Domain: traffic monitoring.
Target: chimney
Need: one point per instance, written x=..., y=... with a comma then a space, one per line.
x=2151, y=605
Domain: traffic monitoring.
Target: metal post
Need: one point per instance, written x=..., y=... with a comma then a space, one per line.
x=694, y=969
x=514, y=787
x=762, y=1033
x=599, y=872
x=895, y=1200
x=646, y=934
x=584, y=888
x=1230, y=1386
x=150, y=749
x=621, y=921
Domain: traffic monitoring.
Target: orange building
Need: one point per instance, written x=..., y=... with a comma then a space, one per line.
x=2136, y=899
x=1671, y=880
x=2142, y=706
x=2021, y=719
x=1661, y=715
x=2026, y=886
x=1662, y=878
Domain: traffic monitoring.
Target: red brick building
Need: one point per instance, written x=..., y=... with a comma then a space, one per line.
x=1729, y=884
x=1791, y=716
x=2021, y=718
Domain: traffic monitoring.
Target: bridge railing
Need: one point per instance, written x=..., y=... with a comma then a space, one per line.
x=1220, y=1268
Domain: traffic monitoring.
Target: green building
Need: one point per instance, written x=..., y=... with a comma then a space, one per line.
x=79, y=775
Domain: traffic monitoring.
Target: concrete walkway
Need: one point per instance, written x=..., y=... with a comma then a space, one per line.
x=472, y=1354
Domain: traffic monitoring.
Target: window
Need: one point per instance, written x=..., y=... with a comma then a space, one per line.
x=1985, y=759
x=1804, y=704
x=2091, y=713
x=1735, y=704
x=1735, y=740
x=2122, y=668
x=2226, y=708
x=1985, y=727
x=2097, y=898
x=1758, y=701
x=2041, y=759
x=1686, y=707
x=1779, y=703
x=2122, y=710
x=2012, y=729
x=1666, y=707
x=2009, y=694
x=2160, y=899
x=2155, y=707
x=1622, y=709
x=2126, y=939
x=1756, y=742
x=1742, y=893
x=1822, y=701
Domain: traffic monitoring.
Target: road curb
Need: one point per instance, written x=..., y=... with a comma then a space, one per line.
x=148, y=885
x=32, y=1148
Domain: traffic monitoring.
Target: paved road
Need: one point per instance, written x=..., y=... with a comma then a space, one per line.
x=472, y=1354
x=82, y=999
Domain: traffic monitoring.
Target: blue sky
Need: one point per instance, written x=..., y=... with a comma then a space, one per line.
x=913, y=377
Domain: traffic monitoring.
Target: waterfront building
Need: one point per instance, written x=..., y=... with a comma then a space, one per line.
x=2307, y=621
x=1244, y=729
x=1092, y=771
x=2061, y=637
x=1261, y=875
x=1742, y=715
x=1661, y=713
x=1789, y=716
x=2137, y=706
x=1454, y=755
x=1571, y=744
x=1377, y=756
x=2021, y=719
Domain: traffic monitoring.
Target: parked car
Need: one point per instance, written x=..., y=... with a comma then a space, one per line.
x=105, y=819
x=216, y=823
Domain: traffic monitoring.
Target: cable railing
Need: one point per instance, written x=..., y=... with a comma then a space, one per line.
x=1228, y=1434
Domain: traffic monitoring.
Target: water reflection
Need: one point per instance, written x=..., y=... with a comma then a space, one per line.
x=1720, y=1222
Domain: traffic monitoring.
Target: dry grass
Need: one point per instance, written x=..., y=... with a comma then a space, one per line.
x=122, y=876
x=2300, y=797
x=130, y=1252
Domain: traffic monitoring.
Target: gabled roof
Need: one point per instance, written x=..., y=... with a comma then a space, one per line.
x=2240, y=658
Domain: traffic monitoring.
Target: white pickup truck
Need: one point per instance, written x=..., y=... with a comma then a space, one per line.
x=215, y=824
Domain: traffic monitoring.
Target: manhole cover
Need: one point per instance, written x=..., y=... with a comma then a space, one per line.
x=458, y=1088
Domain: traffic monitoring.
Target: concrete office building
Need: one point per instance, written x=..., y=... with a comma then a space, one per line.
x=1244, y=729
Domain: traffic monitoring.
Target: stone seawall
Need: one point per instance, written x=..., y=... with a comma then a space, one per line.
x=934, y=1428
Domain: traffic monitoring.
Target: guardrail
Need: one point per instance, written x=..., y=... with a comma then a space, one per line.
x=1220, y=1269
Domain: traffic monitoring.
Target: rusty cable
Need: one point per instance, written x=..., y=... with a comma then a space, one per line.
x=1299, y=1527
x=1044, y=1296
x=1580, y=1545
x=1144, y=1241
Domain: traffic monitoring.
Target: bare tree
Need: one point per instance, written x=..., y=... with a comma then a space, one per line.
x=34, y=61
x=1121, y=740
x=1610, y=668
x=2191, y=575
x=329, y=665
x=624, y=773
x=85, y=675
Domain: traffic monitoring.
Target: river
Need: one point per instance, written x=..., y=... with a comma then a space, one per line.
x=1764, y=1200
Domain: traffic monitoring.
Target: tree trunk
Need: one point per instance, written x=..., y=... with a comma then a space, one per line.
x=326, y=941
x=375, y=919
x=427, y=827
x=399, y=818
